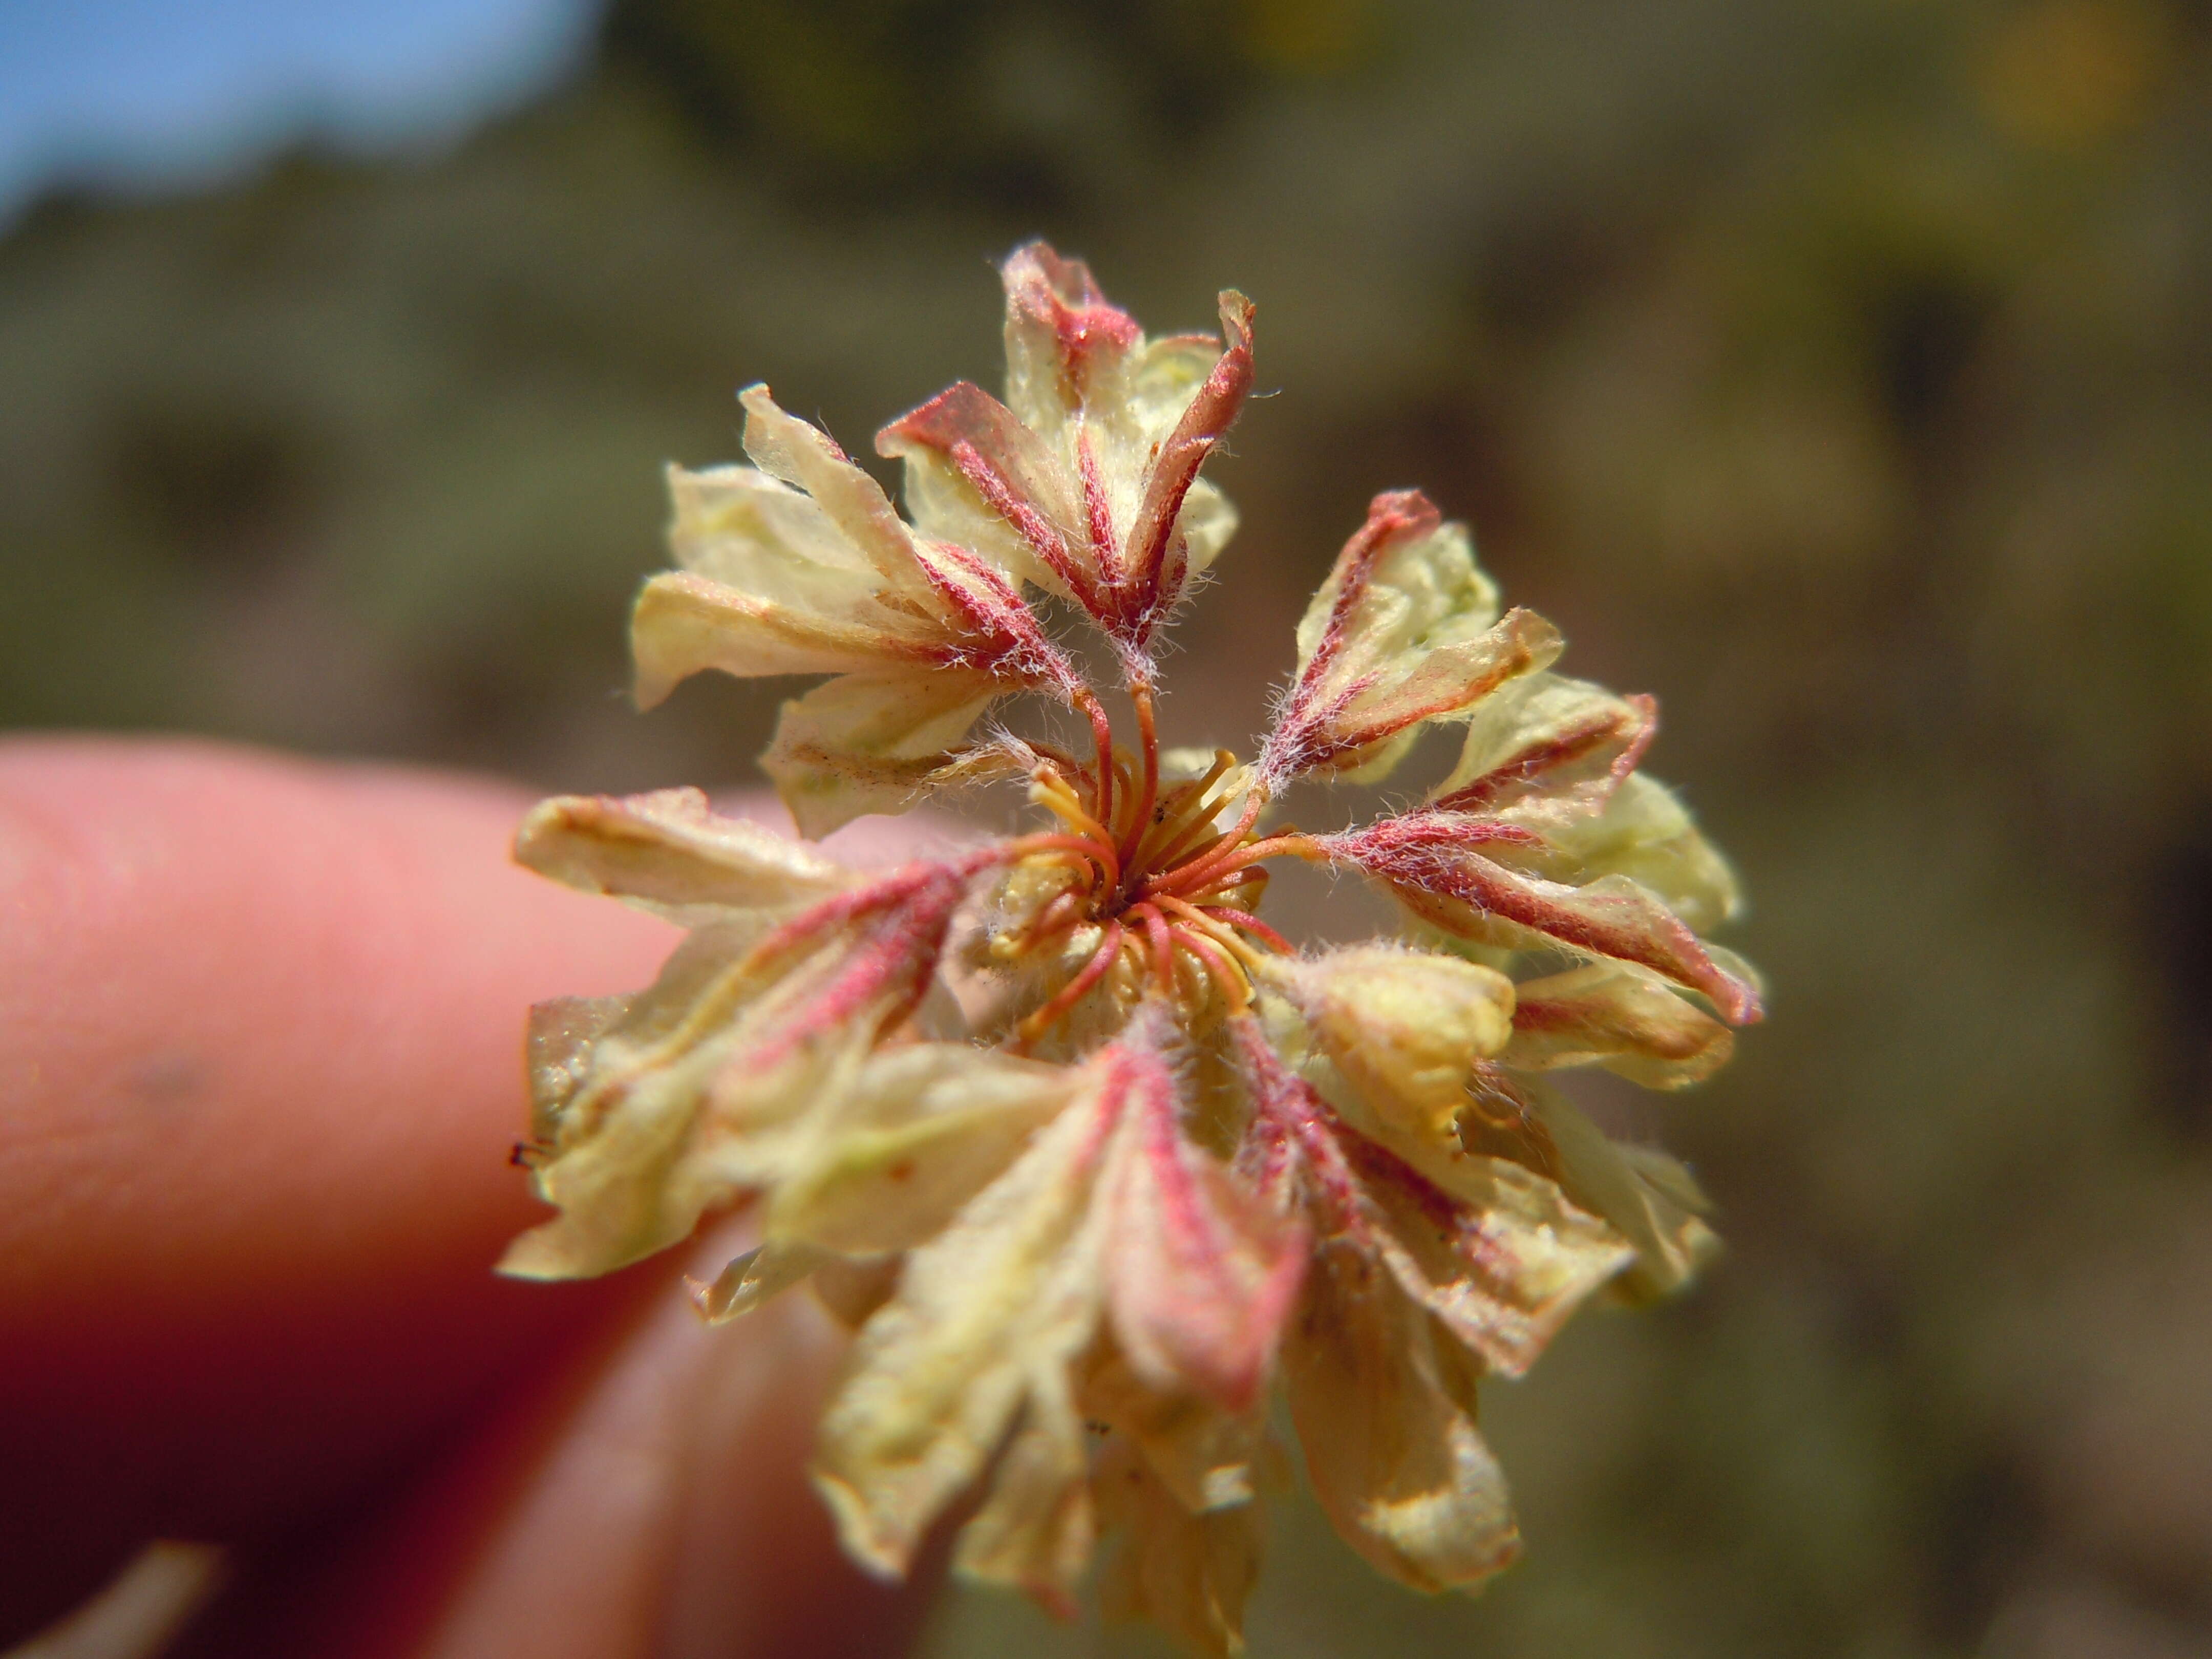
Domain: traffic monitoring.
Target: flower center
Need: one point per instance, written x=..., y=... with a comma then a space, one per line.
x=1168, y=885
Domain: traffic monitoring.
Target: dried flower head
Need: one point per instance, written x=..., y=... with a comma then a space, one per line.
x=1147, y=1160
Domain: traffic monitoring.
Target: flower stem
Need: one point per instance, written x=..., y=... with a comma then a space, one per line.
x=1101, y=733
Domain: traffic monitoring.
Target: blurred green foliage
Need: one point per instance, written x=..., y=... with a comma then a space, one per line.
x=1840, y=372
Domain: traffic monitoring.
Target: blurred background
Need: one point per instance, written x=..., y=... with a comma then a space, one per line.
x=1838, y=370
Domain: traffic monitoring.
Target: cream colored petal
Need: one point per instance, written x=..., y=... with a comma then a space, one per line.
x=668, y=852
x=558, y=1044
x=1209, y=1458
x=1737, y=967
x=609, y=1128
x=803, y=567
x=1405, y=1027
x=1405, y=631
x=1620, y=1016
x=1385, y=1412
x=653, y=1111
x=740, y=528
x=1494, y=1249
x=1419, y=586
x=987, y=1315
x=658, y=1143
x=984, y=479
x=1440, y=677
x=802, y=456
x=1067, y=347
x=1157, y=557
x=946, y=508
x=799, y=1053
x=1481, y=899
x=1502, y=1258
x=1035, y=1530
x=1165, y=377
x=870, y=743
x=1189, y=1573
x=764, y=1272
x=685, y=624
x=1549, y=746
x=1650, y=1199
x=923, y=1130
x=1201, y=1275
x=617, y=1193
x=1209, y=521
x=1644, y=834
x=1085, y=480
x=852, y=1288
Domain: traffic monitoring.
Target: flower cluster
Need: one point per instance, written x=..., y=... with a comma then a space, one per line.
x=1091, y=1158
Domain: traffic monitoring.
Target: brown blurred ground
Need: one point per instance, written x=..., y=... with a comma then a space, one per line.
x=1839, y=370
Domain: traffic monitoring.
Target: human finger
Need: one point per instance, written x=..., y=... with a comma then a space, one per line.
x=261, y=1019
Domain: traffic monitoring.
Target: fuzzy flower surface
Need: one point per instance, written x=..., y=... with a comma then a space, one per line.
x=1095, y=1162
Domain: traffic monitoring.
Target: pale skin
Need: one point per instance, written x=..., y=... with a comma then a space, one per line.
x=259, y=1075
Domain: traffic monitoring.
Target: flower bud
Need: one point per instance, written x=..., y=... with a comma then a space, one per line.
x=1405, y=1027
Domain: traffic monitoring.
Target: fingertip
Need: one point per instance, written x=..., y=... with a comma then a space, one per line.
x=263, y=1018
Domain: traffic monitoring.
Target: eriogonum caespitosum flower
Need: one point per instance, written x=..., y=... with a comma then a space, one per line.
x=1144, y=1161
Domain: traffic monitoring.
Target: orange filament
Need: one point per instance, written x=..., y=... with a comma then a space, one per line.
x=1090, y=847
x=1235, y=989
x=1161, y=938
x=1220, y=932
x=1192, y=815
x=1196, y=874
x=1251, y=924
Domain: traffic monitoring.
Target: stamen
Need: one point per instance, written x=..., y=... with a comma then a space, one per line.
x=1049, y=789
x=1065, y=764
x=1162, y=943
x=1235, y=989
x=1192, y=812
x=1250, y=924
x=1196, y=874
x=1220, y=932
x=1289, y=844
x=1094, y=847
